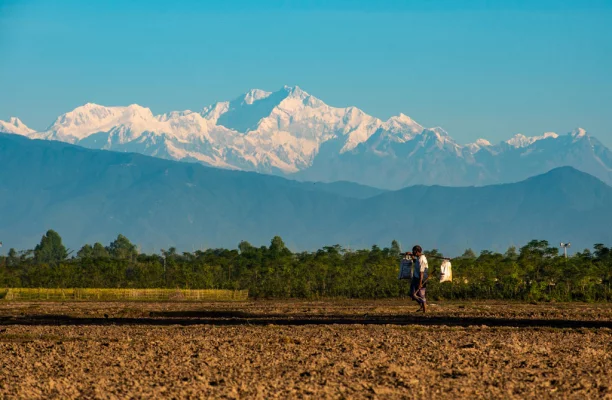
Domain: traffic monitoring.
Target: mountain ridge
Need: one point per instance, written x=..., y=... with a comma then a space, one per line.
x=291, y=133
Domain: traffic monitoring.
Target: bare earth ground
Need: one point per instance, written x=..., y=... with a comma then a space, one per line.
x=294, y=349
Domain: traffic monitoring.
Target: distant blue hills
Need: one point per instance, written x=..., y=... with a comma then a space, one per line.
x=93, y=195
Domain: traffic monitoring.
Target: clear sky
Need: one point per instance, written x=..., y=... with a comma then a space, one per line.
x=477, y=68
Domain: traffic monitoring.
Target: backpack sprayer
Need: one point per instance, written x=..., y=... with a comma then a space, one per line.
x=407, y=265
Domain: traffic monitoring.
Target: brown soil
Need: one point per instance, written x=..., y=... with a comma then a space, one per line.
x=331, y=349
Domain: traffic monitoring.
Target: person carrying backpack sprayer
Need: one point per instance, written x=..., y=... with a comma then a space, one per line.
x=417, y=262
x=420, y=276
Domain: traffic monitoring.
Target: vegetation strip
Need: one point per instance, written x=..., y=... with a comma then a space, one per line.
x=45, y=294
x=535, y=272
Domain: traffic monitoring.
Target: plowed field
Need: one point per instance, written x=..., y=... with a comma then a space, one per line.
x=335, y=349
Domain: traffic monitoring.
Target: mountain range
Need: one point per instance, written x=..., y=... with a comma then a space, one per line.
x=294, y=134
x=92, y=195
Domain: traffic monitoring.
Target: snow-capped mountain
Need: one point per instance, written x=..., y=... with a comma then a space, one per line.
x=292, y=133
x=519, y=140
x=14, y=125
x=433, y=157
x=273, y=132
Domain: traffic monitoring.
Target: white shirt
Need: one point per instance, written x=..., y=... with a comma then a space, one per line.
x=421, y=267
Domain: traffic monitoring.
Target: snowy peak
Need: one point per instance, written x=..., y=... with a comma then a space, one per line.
x=293, y=97
x=93, y=118
x=255, y=94
x=295, y=91
x=439, y=134
x=245, y=112
x=16, y=122
x=213, y=112
x=478, y=145
x=14, y=125
x=578, y=133
x=106, y=127
x=403, y=125
x=173, y=115
x=439, y=131
x=401, y=119
x=519, y=140
x=91, y=115
x=439, y=138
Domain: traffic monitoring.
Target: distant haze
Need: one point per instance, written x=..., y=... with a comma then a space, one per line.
x=93, y=195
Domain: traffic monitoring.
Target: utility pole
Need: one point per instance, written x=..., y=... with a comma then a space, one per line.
x=565, y=246
x=165, y=276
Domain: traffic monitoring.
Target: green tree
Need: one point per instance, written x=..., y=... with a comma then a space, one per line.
x=469, y=254
x=85, y=252
x=396, y=249
x=122, y=249
x=511, y=253
x=50, y=250
x=99, y=251
x=278, y=248
x=602, y=252
x=12, y=258
x=245, y=247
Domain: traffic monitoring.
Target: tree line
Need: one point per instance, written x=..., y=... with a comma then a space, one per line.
x=535, y=271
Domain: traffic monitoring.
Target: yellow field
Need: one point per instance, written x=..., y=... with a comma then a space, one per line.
x=124, y=294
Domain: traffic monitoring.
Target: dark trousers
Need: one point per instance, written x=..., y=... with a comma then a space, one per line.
x=417, y=294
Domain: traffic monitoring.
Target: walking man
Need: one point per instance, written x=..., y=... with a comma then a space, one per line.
x=420, y=275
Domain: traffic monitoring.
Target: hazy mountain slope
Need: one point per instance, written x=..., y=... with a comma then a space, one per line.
x=430, y=157
x=507, y=163
x=92, y=195
x=348, y=189
x=561, y=205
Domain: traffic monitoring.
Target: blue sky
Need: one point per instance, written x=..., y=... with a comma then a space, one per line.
x=476, y=68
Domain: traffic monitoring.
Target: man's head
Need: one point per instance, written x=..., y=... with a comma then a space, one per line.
x=417, y=250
